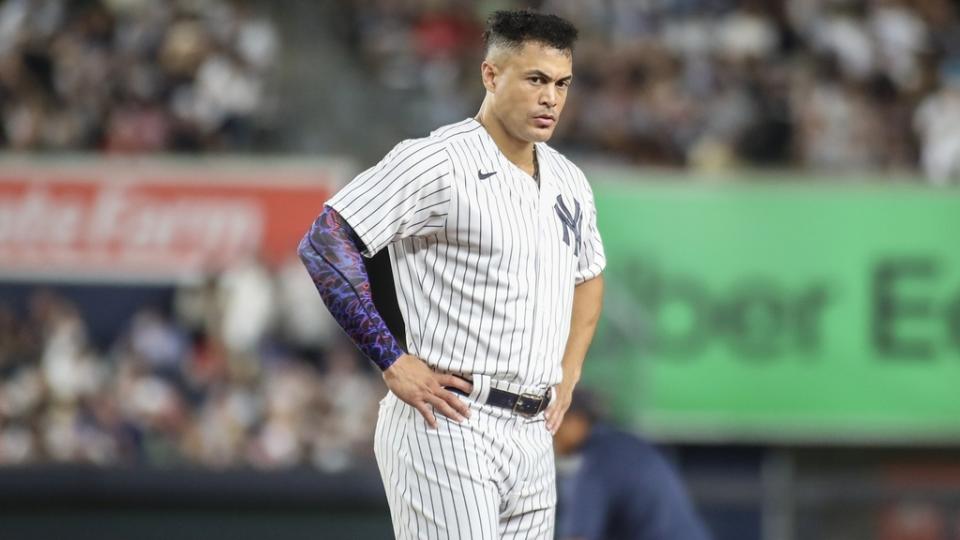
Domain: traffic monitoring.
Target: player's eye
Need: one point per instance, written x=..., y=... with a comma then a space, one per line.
x=537, y=79
x=563, y=84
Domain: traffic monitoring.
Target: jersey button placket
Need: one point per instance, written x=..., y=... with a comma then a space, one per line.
x=532, y=195
x=543, y=243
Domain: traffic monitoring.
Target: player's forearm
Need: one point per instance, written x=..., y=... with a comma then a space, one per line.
x=331, y=253
x=587, y=303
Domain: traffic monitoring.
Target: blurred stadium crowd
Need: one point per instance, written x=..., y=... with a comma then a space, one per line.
x=248, y=370
x=134, y=75
x=834, y=85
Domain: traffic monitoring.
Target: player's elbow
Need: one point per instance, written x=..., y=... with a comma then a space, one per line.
x=307, y=250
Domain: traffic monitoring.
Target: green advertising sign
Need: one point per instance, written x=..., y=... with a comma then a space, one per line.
x=781, y=312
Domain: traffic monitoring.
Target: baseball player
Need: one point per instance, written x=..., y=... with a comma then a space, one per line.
x=615, y=485
x=496, y=263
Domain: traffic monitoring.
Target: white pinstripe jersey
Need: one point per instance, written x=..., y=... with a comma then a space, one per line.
x=484, y=261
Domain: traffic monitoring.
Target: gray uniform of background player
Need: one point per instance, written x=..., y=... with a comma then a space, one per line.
x=484, y=262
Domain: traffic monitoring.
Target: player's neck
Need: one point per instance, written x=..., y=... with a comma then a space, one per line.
x=518, y=151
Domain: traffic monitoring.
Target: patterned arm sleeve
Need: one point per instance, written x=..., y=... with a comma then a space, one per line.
x=331, y=252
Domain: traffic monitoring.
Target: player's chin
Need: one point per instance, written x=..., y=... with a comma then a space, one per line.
x=540, y=134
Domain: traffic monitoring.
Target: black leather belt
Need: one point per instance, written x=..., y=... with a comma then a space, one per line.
x=522, y=404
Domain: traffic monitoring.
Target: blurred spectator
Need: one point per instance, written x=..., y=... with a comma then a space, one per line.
x=304, y=320
x=839, y=127
x=156, y=341
x=937, y=122
x=351, y=398
x=19, y=343
x=280, y=439
x=248, y=308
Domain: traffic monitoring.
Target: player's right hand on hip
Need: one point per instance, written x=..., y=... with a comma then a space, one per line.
x=412, y=380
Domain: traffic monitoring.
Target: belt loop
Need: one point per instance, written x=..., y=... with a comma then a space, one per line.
x=481, y=388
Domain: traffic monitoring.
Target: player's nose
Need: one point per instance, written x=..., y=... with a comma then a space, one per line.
x=548, y=97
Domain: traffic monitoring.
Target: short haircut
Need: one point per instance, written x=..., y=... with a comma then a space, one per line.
x=511, y=29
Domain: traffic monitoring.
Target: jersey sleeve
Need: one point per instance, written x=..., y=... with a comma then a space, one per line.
x=592, y=259
x=407, y=194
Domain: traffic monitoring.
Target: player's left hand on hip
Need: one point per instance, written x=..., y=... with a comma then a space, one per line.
x=562, y=394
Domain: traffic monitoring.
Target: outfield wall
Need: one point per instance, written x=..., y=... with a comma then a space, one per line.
x=780, y=311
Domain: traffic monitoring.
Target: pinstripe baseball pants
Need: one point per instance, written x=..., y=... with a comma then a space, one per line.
x=491, y=477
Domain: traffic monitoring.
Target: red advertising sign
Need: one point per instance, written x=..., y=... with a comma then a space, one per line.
x=154, y=219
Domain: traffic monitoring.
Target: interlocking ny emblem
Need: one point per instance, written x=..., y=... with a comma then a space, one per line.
x=571, y=222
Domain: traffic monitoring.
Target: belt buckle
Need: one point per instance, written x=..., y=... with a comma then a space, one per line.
x=528, y=404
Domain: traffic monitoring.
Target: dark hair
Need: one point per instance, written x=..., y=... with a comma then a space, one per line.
x=588, y=404
x=513, y=28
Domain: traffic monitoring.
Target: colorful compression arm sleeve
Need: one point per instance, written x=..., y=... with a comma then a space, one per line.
x=331, y=253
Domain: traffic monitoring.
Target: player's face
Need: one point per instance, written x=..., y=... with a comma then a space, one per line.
x=530, y=90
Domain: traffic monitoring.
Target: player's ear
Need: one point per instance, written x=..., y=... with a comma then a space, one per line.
x=489, y=72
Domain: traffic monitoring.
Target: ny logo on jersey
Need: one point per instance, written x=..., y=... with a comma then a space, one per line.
x=571, y=222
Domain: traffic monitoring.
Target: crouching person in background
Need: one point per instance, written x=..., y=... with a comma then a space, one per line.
x=614, y=486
